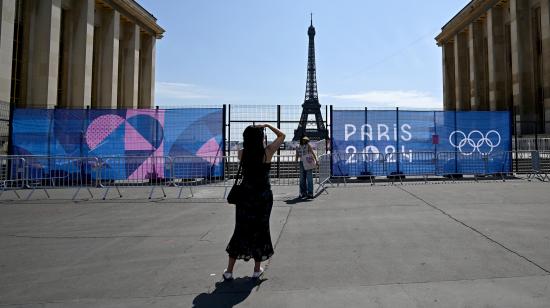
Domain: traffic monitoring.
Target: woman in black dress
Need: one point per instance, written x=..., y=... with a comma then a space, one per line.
x=251, y=238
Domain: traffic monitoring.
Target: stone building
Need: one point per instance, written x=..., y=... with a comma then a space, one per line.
x=496, y=56
x=77, y=53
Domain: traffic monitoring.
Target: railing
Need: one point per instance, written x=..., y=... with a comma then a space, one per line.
x=42, y=173
x=324, y=171
x=531, y=144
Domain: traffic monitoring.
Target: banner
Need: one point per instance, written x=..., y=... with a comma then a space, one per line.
x=419, y=142
x=194, y=133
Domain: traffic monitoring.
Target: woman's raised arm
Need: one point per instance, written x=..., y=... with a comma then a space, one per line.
x=274, y=146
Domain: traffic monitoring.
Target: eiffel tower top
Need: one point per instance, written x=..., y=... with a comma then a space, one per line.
x=311, y=96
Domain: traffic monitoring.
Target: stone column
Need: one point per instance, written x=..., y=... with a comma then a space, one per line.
x=80, y=80
x=147, y=72
x=462, y=71
x=129, y=67
x=7, y=20
x=45, y=24
x=496, y=43
x=108, y=68
x=522, y=64
x=449, y=87
x=545, y=29
x=478, y=80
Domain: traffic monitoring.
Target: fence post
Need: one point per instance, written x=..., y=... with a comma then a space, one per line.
x=224, y=109
x=331, y=140
x=397, y=171
x=279, y=148
x=514, y=131
x=456, y=153
x=229, y=131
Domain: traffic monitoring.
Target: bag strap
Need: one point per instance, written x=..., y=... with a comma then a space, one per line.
x=239, y=171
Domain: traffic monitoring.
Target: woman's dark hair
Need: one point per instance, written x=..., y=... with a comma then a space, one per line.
x=254, y=150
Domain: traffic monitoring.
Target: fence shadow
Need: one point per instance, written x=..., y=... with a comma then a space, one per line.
x=227, y=293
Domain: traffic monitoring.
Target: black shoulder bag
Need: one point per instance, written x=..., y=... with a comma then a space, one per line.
x=236, y=193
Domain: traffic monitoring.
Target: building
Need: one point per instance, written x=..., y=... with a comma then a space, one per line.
x=77, y=54
x=496, y=56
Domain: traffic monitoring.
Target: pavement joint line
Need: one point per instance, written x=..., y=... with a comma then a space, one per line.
x=274, y=291
x=476, y=230
x=87, y=237
x=276, y=244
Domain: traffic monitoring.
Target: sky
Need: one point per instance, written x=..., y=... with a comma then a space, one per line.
x=376, y=54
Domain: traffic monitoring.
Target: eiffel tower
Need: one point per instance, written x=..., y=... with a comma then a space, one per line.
x=311, y=105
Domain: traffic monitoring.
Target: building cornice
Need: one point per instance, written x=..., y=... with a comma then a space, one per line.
x=473, y=11
x=139, y=14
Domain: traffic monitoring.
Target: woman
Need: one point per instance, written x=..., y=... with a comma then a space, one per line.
x=251, y=238
x=306, y=176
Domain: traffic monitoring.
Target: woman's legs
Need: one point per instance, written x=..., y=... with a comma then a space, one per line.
x=257, y=265
x=231, y=264
x=309, y=174
x=303, y=187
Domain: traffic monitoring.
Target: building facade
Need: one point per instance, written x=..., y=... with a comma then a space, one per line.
x=496, y=56
x=77, y=54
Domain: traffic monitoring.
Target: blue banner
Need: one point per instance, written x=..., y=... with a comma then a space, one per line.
x=419, y=142
x=194, y=135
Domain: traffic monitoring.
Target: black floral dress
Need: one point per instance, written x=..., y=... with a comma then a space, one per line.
x=251, y=238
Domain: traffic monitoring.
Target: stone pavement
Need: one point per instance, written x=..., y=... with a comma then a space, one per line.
x=427, y=245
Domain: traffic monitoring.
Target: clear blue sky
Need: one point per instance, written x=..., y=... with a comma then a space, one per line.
x=369, y=53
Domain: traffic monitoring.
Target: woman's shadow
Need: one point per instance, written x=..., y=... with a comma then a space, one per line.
x=227, y=293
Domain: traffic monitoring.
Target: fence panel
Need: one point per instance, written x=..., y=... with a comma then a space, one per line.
x=134, y=171
x=12, y=174
x=412, y=164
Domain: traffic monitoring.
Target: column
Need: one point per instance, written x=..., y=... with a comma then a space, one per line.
x=462, y=71
x=478, y=81
x=7, y=19
x=522, y=65
x=45, y=23
x=496, y=41
x=80, y=81
x=147, y=72
x=545, y=29
x=129, y=68
x=449, y=92
x=109, y=56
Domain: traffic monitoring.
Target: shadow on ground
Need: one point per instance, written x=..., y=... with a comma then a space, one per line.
x=227, y=293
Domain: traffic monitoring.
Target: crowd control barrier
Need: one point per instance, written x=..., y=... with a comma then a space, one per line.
x=12, y=174
x=45, y=173
x=324, y=171
x=443, y=165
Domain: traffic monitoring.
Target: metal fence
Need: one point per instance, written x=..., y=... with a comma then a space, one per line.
x=441, y=165
x=188, y=173
x=46, y=173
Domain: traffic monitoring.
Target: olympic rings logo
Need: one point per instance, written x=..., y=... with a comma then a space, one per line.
x=475, y=141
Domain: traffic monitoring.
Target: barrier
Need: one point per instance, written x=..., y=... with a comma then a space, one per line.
x=324, y=171
x=411, y=164
x=12, y=174
x=532, y=144
x=191, y=171
x=44, y=173
x=134, y=171
x=359, y=165
x=539, y=162
x=453, y=164
x=48, y=172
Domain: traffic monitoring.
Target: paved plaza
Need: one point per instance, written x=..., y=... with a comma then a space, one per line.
x=463, y=244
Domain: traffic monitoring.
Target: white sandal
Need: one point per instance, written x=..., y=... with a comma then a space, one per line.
x=227, y=275
x=258, y=274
